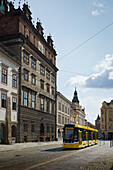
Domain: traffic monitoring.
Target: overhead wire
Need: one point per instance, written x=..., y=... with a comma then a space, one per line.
x=84, y=42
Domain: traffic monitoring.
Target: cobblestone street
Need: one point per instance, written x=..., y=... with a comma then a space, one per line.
x=54, y=156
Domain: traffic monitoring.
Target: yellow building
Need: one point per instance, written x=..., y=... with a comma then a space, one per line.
x=106, y=122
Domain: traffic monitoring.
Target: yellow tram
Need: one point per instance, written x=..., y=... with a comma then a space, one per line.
x=79, y=136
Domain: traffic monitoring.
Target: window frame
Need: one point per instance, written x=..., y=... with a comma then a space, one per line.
x=26, y=57
x=4, y=76
x=42, y=70
x=14, y=81
x=33, y=63
x=26, y=72
x=42, y=104
x=2, y=100
x=25, y=99
x=14, y=108
x=33, y=101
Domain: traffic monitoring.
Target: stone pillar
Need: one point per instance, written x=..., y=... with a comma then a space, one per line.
x=8, y=121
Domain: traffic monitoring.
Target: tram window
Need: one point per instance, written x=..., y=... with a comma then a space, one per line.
x=93, y=135
x=83, y=135
x=89, y=135
x=76, y=135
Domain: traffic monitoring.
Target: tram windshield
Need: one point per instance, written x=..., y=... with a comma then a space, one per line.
x=69, y=132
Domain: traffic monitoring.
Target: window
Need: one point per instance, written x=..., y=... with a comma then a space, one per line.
x=40, y=47
x=102, y=126
x=48, y=106
x=33, y=63
x=14, y=103
x=42, y=104
x=59, y=106
x=110, y=112
x=102, y=119
x=42, y=70
x=33, y=79
x=25, y=98
x=33, y=101
x=14, y=80
x=25, y=126
x=62, y=119
x=59, y=119
x=25, y=75
x=4, y=75
x=110, y=119
x=65, y=109
x=62, y=108
x=110, y=126
x=4, y=100
x=48, y=88
x=68, y=110
x=26, y=58
x=52, y=91
x=33, y=128
x=53, y=108
x=42, y=84
x=48, y=74
x=53, y=79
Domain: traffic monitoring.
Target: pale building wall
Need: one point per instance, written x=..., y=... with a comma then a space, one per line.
x=12, y=68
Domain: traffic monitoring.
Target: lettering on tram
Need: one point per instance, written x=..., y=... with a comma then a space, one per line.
x=79, y=136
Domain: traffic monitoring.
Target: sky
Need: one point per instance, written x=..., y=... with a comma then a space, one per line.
x=82, y=31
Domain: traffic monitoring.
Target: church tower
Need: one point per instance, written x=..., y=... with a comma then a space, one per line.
x=75, y=97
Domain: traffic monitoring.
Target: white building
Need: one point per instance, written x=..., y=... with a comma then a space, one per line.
x=63, y=114
x=8, y=95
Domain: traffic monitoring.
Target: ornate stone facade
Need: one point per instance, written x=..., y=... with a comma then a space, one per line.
x=37, y=74
x=106, y=120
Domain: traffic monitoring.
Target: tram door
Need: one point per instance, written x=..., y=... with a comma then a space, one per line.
x=91, y=135
x=80, y=137
x=87, y=136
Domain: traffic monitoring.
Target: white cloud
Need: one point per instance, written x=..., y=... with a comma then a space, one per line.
x=99, y=5
x=98, y=9
x=102, y=79
x=110, y=75
x=95, y=13
x=105, y=64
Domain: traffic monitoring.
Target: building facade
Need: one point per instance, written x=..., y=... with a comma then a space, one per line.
x=37, y=74
x=106, y=120
x=80, y=112
x=8, y=95
x=63, y=114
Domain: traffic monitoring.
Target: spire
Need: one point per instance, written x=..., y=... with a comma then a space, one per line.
x=98, y=117
x=75, y=97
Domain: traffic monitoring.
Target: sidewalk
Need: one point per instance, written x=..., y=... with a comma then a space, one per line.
x=19, y=146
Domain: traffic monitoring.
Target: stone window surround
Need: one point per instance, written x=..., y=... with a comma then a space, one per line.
x=3, y=91
x=6, y=68
x=14, y=95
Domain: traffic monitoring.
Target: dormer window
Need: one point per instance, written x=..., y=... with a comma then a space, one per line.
x=40, y=47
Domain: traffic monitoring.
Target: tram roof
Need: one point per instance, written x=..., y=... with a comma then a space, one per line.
x=82, y=127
